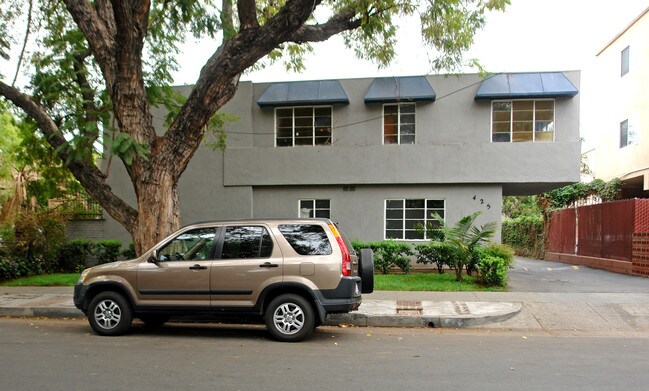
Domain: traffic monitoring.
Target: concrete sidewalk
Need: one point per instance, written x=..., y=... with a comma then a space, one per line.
x=572, y=312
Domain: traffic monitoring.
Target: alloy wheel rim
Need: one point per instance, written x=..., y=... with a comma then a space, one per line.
x=289, y=318
x=108, y=314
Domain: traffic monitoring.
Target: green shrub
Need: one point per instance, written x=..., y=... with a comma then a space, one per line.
x=388, y=254
x=129, y=253
x=74, y=255
x=525, y=236
x=31, y=245
x=497, y=250
x=439, y=253
x=107, y=251
x=492, y=271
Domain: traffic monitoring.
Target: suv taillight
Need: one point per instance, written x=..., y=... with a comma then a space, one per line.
x=346, y=258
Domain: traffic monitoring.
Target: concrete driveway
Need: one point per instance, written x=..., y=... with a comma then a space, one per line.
x=531, y=275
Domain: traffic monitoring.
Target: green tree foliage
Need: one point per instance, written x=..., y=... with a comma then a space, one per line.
x=517, y=206
x=99, y=67
x=565, y=196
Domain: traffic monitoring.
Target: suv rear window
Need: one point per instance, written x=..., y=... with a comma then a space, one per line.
x=306, y=239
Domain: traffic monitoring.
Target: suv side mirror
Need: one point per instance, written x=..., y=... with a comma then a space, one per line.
x=153, y=258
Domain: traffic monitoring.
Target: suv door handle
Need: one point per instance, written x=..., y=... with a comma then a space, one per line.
x=268, y=265
x=197, y=267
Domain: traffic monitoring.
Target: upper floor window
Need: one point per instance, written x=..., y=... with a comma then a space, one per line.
x=315, y=209
x=399, y=123
x=403, y=216
x=303, y=126
x=627, y=134
x=624, y=61
x=522, y=120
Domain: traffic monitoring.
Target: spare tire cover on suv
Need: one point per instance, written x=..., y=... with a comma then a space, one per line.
x=366, y=270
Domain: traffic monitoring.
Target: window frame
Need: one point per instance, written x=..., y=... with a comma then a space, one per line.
x=631, y=136
x=313, y=125
x=403, y=218
x=211, y=254
x=625, y=61
x=315, y=208
x=218, y=251
x=511, y=119
x=398, y=104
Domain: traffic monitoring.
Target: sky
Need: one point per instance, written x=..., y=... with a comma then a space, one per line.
x=531, y=35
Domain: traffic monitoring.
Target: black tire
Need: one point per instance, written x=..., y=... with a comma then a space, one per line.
x=290, y=318
x=153, y=321
x=110, y=314
x=366, y=270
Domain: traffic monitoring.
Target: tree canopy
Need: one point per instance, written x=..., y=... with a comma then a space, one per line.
x=98, y=67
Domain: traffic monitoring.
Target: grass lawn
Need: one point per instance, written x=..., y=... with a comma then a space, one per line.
x=382, y=282
x=62, y=279
x=428, y=282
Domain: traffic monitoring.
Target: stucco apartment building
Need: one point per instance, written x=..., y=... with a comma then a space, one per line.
x=379, y=155
x=617, y=128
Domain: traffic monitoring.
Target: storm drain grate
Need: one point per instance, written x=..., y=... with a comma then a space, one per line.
x=409, y=307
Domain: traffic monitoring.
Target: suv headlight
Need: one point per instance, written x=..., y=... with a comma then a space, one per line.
x=83, y=276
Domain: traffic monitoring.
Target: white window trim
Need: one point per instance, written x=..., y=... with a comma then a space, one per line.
x=628, y=65
x=299, y=210
x=426, y=218
x=293, y=124
x=511, y=119
x=398, y=122
x=630, y=130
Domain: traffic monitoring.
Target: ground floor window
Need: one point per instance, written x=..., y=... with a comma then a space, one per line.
x=402, y=216
x=315, y=209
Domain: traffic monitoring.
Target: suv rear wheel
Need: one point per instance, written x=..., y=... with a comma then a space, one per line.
x=109, y=314
x=290, y=318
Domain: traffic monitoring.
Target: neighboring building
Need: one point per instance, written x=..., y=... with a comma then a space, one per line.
x=616, y=115
x=380, y=155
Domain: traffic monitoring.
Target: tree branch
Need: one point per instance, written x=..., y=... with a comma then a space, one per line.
x=87, y=102
x=105, y=12
x=247, y=14
x=343, y=21
x=22, y=51
x=219, y=79
x=87, y=173
x=98, y=35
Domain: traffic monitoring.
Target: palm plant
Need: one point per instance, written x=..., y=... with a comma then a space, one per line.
x=462, y=238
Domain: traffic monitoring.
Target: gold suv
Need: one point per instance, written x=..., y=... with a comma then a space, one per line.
x=290, y=273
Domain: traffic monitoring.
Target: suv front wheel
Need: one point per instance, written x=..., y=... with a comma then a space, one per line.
x=109, y=314
x=290, y=318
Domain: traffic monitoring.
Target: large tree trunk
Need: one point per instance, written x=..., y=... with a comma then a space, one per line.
x=158, y=210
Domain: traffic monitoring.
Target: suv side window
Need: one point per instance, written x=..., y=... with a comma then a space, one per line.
x=191, y=245
x=241, y=242
x=306, y=239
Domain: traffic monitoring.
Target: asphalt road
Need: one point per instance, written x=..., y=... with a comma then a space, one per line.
x=37, y=354
x=530, y=275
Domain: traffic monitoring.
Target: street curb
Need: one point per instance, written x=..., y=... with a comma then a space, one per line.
x=446, y=321
x=41, y=312
x=352, y=318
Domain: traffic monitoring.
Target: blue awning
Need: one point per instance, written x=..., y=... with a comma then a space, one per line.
x=400, y=89
x=526, y=85
x=303, y=93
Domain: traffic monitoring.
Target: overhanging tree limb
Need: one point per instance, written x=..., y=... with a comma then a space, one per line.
x=321, y=32
x=85, y=172
x=247, y=14
x=97, y=32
